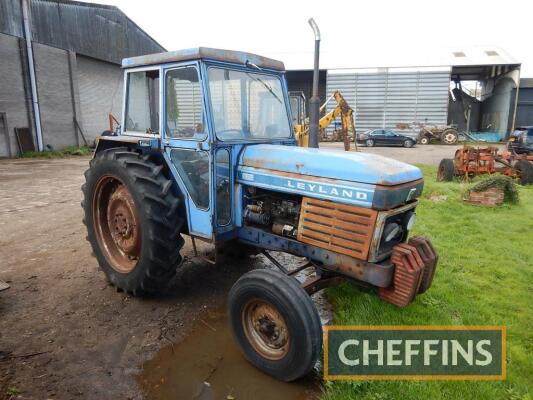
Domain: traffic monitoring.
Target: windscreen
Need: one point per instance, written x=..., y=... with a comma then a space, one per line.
x=247, y=105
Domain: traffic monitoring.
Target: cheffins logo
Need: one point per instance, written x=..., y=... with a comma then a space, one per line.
x=415, y=352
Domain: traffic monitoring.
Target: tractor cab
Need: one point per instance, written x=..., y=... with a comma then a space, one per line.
x=204, y=105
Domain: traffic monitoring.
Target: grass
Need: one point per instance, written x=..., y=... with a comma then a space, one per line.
x=484, y=277
x=66, y=152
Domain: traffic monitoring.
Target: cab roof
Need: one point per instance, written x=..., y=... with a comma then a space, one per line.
x=197, y=53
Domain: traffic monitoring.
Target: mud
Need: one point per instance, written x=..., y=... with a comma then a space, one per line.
x=208, y=365
x=66, y=334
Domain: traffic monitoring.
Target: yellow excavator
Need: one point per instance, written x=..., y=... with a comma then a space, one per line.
x=342, y=110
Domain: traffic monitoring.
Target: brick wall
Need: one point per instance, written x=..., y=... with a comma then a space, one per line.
x=489, y=198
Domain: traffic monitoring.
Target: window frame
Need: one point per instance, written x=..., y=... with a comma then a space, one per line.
x=276, y=74
x=174, y=67
x=127, y=72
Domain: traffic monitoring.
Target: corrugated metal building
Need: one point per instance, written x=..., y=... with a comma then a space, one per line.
x=524, y=112
x=392, y=97
x=75, y=54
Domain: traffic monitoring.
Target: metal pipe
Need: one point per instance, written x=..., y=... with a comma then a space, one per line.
x=314, y=101
x=33, y=80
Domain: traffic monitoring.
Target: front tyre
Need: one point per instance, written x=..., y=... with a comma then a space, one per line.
x=275, y=323
x=369, y=143
x=132, y=222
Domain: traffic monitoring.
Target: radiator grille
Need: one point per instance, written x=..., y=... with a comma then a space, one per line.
x=337, y=227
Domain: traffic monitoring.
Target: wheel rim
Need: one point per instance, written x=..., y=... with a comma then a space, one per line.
x=369, y=143
x=424, y=140
x=266, y=329
x=449, y=138
x=116, y=224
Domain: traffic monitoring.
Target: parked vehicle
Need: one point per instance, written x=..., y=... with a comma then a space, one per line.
x=384, y=137
x=217, y=160
x=521, y=140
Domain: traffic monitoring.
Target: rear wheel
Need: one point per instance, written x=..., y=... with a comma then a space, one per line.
x=525, y=172
x=450, y=136
x=275, y=323
x=408, y=143
x=369, y=143
x=446, y=171
x=132, y=221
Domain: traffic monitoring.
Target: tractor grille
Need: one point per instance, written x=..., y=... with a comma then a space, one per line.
x=337, y=227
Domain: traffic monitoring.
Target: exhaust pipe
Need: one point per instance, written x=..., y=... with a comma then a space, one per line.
x=314, y=101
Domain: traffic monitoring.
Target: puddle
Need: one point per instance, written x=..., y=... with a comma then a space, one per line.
x=208, y=365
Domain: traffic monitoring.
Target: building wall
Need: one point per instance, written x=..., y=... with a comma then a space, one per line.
x=385, y=97
x=100, y=91
x=55, y=96
x=524, y=111
x=12, y=95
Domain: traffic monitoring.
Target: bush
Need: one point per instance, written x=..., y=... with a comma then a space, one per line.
x=510, y=191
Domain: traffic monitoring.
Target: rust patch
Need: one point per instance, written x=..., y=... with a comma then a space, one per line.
x=407, y=277
x=337, y=227
x=429, y=257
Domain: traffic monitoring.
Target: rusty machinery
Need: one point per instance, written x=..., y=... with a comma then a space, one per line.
x=471, y=161
x=446, y=134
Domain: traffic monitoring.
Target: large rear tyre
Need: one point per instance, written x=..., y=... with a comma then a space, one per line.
x=446, y=171
x=450, y=136
x=132, y=220
x=525, y=172
x=275, y=324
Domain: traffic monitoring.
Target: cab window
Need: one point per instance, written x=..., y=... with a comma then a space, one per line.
x=184, y=109
x=142, y=101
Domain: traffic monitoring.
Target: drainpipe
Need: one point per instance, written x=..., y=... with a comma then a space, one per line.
x=33, y=80
x=314, y=101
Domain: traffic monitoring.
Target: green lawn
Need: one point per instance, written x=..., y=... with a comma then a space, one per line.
x=66, y=152
x=484, y=277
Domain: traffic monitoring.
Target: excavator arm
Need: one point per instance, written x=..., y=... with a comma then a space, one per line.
x=342, y=110
x=345, y=112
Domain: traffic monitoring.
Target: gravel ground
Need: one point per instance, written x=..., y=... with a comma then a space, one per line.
x=430, y=154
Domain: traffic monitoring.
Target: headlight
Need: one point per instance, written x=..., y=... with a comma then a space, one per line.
x=409, y=220
x=391, y=231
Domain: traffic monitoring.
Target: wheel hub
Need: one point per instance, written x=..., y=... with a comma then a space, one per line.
x=117, y=229
x=121, y=220
x=266, y=329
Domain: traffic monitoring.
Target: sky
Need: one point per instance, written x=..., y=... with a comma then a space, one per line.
x=355, y=34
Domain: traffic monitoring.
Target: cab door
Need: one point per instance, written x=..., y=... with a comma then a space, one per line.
x=185, y=137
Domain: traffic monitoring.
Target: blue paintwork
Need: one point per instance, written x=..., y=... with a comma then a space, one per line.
x=339, y=191
x=350, y=178
x=346, y=166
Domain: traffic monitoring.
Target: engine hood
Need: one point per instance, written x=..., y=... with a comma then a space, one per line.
x=347, y=166
x=364, y=179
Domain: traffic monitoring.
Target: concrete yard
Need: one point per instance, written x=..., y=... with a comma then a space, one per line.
x=64, y=332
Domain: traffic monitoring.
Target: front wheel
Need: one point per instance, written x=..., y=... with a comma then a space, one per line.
x=424, y=140
x=408, y=144
x=369, y=143
x=275, y=323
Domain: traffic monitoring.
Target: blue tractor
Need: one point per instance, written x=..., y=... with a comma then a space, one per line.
x=206, y=149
